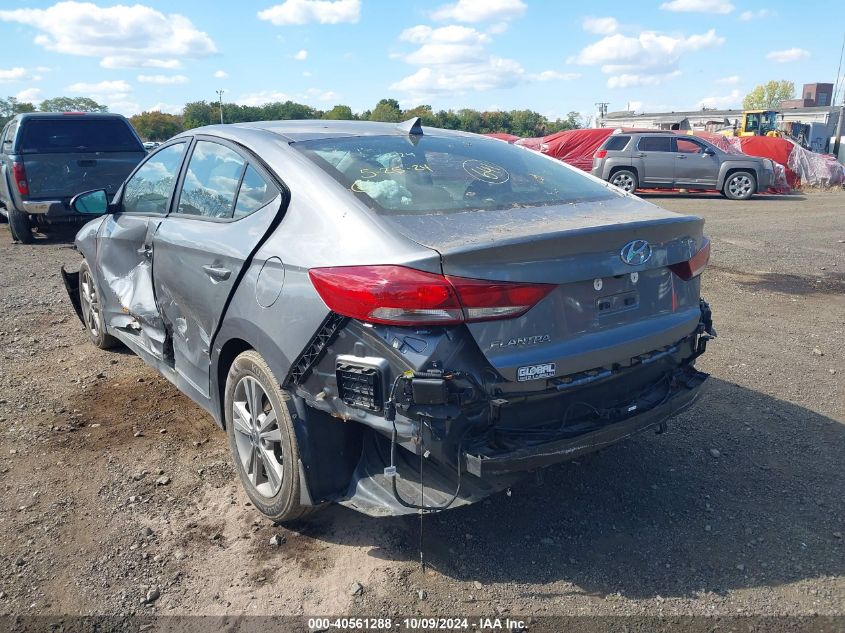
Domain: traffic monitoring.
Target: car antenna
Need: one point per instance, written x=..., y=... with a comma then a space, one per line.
x=411, y=126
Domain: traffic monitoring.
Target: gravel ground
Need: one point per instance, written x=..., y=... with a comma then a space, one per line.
x=118, y=497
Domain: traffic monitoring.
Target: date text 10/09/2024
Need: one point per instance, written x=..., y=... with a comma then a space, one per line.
x=415, y=624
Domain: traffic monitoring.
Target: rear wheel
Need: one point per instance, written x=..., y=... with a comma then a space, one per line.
x=625, y=179
x=740, y=185
x=259, y=423
x=20, y=226
x=92, y=315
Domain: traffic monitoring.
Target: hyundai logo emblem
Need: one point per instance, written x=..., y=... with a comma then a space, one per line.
x=636, y=252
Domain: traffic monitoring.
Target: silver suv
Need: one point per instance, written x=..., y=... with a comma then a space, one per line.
x=655, y=160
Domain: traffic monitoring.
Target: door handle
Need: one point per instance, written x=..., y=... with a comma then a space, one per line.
x=681, y=156
x=640, y=155
x=217, y=273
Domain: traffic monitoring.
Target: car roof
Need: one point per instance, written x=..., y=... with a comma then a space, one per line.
x=61, y=115
x=314, y=129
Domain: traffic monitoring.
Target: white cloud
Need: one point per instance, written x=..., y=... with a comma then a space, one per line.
x=629, y=80
x=321, y=95
x=301, y=55
x=305, y=11
x=306, y=73
x=698, y=6
x=649, y=58
x=745, y=16
x=221, y=74
x=163, y=80
x=126, y=108
x=480, y=10
x=262, y=97
x=30, y=95
x=121, y=36
x=14, y=74
x=110, y=92
x=788, y=55
x=600, y=26
x=453, y=59
x=168, y=108
x=728, y=81
x=552, y=75
x=722, y=102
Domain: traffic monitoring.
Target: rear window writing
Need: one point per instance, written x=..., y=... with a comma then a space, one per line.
x=396, y=174
x=74, y=133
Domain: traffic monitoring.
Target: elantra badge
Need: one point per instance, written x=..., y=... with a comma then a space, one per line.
x=636, y=252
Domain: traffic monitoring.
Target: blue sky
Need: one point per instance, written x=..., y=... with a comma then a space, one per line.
x=549, y=56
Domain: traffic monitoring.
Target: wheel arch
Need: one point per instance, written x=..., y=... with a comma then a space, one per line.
x=728, y=170
x=616, y=168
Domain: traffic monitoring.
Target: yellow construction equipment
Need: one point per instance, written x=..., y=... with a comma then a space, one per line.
x=755, y=123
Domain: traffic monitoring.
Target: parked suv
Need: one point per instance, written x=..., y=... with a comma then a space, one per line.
x=46, y=158
x=654, y=160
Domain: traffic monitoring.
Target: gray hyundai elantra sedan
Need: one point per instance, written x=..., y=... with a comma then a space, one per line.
x=392, y=317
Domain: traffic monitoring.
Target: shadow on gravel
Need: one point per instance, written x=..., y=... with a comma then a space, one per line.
x=657, y=515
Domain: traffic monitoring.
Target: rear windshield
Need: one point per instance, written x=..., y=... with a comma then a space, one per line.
x=616, y=143
x=73, y=134
x=397, y=174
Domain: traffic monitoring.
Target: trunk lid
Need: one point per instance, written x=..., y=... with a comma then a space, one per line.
x=603, y=310
x=60, y=175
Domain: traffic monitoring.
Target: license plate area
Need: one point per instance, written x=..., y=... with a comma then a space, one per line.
x=612, y=304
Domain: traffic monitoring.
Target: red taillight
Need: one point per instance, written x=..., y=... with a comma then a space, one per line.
x=405, y=296
x=695, y=265
x=19, y=174
x=601, y=153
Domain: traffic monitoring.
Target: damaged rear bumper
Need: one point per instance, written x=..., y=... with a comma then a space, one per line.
x=491, y=464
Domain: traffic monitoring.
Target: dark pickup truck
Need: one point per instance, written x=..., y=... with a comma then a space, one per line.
x=47, y=158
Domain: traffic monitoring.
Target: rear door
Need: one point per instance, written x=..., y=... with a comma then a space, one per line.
x=693, y=165
x=225, y=205
x=69, y=154
x=655, y=160
x=124, y=250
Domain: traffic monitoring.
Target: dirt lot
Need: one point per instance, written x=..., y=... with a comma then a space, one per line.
x=114, y=485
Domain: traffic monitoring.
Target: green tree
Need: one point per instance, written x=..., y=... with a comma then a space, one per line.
x=199, y=113
x=768, y=96
x=156, y=126
x=71, y=104
x=424, y=112
x=11, y=106
x=339, y=113
x=386, y=110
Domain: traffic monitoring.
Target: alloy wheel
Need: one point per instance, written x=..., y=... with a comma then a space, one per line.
x=740, y=186
x=90, y=303
x=624, y=182
x=258, y=437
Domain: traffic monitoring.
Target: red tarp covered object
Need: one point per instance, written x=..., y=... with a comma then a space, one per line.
x=574, y=147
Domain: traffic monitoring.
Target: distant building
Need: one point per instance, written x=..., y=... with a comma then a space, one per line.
x=813, y=95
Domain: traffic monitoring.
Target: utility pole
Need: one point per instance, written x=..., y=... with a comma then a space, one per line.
x=602, y=106
x=220, y=99
x=837, y=136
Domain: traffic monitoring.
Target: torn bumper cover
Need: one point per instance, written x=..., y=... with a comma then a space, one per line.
x=489, y=463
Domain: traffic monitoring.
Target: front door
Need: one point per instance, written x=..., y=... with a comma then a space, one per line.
x=222, y=211
x=124, y=251
x=655, y=160
x=694, y=165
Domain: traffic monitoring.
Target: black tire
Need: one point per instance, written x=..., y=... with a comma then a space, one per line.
x=740, y=185
x=20, y=226
x=267, y=461
x=625, y=179
x=92, y=314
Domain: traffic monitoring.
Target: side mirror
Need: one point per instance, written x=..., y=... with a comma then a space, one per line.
x=91, y=202
x=709, y=152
